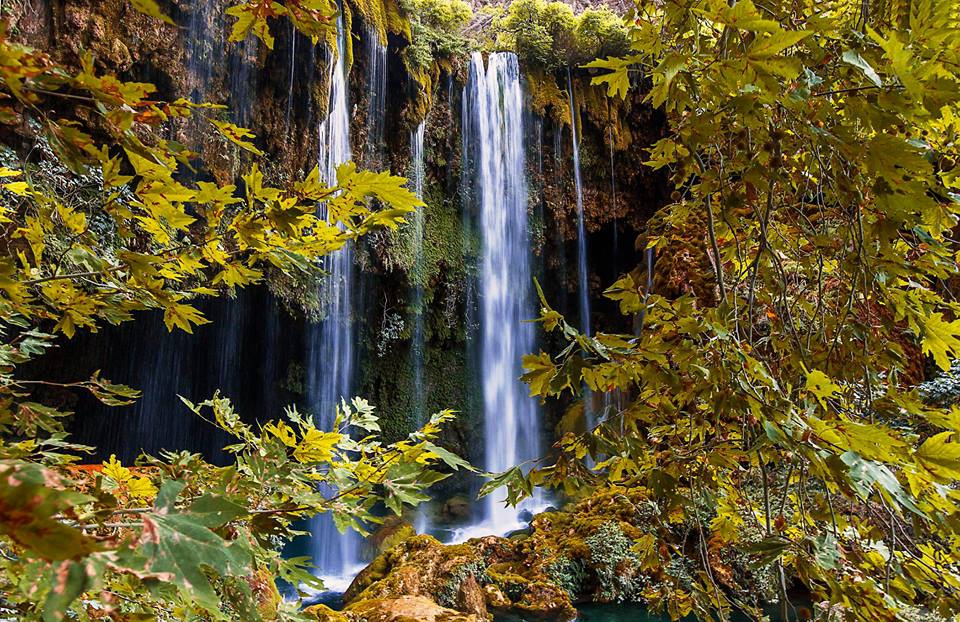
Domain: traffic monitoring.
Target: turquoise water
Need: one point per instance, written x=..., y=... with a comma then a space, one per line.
x=624, y=612
x=618, y=613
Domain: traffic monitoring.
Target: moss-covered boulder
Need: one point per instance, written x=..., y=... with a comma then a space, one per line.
x=406, y=609
x=421, y=566
x=479, y=577
x=322, y=613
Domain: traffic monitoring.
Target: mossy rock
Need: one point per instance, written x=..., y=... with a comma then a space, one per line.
x=394, y=531
x=322, y=613
x=407, y=609
x=419, y=566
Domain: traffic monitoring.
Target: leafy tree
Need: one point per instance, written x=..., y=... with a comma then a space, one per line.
x=812, y=147
x=173, y=538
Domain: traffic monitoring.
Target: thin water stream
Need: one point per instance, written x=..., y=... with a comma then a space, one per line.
x=330, y=345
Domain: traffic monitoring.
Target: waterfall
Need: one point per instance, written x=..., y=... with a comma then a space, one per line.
x=330, y=363
x=376, y=94
x=581, y=232
x=613, y=199
x=418, y=347
x=582, y=274
x=417, y=174
x=493, y=105
x=293, y=69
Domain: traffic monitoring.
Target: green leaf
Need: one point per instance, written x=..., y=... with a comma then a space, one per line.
x=213, y=511
x=31, y=499
x=178, y=547
x=852, y=57
x=768, y=550
x=765, y=47
x=449, y=458
x=665, y=72
x=865, y=474
x=68, y=580
x=167, y=497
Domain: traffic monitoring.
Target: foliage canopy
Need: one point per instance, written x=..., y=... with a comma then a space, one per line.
x=812, y=148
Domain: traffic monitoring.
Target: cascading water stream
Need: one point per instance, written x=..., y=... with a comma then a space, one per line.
x=330, y=357
x=417, y=174
x=493, y=114
x=582, y=275
x=293, y=69
x=376, y=95
x=613, y=195
x=417, y=177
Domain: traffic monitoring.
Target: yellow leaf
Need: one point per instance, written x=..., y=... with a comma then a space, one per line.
x=540, y=371
x=21, y=188
x=72, y=219
x=182, y=316
x=237, y=135
x=283, y=432
x=316, y=446
x=116, y=471
x=940, y=339
x=151, y=8
x=940, y=456
x=141, y=488
x=237, y=274
x=821, y=386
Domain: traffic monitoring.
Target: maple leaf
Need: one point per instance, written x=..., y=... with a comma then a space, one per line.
x=941, y=339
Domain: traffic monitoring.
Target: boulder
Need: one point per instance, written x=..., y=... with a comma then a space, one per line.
x=322, y=613
x=407, y=609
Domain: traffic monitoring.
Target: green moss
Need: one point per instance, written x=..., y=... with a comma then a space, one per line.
x=546, y=96
x=447, y=594
x=389, y=382
x=614, y=563
x=384, y=16
x=567, y=573
x=443, y=270
x=436, y=40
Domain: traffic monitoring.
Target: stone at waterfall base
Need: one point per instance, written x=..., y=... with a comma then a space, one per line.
x=402, y=609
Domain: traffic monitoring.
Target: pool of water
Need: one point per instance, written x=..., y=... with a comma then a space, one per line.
x=629, y=612
x=623, y=612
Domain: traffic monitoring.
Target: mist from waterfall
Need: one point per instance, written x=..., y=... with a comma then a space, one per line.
x=493, y=118
x=330, y=354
